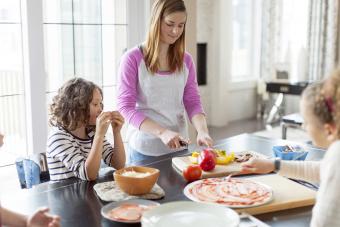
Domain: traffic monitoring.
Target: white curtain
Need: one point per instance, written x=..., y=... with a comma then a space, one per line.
x=284, y=38
x=323, y=42
x=269, y=37
x=300, y=37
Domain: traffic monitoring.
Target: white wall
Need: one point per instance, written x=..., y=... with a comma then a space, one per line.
x=226, y=101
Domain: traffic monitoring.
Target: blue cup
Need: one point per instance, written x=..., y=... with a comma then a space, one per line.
x=298, y=153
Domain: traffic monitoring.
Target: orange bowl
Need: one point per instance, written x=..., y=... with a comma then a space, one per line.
x=136, y=180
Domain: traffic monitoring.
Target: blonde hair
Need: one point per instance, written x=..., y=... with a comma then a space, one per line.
x=323, y=98
x=331, y=92
x=160, y=9
x=71, y=105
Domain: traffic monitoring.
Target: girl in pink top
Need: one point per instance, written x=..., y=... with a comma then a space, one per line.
x=158, y=87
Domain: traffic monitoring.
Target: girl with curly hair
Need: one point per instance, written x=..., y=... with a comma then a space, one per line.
x=77, y=142
x=320, y=108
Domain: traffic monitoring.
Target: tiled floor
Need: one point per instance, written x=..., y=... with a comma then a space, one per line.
x=8, y=174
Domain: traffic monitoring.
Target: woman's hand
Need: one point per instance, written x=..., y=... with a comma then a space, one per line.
x=102, y=123
x=257, y=165
x=172, y=139
x=43, y=219
x=203, y=139
x=117, y=121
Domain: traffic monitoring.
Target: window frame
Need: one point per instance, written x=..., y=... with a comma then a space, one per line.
x=34, y=76
x=34, y=64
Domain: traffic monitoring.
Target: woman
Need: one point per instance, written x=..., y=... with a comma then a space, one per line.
x=158, y=85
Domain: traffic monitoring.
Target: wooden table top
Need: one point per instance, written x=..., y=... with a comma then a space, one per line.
x=78, y=205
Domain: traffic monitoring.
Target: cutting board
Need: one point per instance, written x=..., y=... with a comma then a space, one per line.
x=180, y=163
x=287, y=194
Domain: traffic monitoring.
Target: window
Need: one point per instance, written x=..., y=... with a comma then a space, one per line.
x=87, y=39
x=12, y=92
x=292, y=38
x=246, y=39
x=83, y=38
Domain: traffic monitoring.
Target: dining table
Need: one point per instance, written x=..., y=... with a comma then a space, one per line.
x=76, y=202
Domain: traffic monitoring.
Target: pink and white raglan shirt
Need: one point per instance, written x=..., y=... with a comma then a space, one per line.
x=163, y=97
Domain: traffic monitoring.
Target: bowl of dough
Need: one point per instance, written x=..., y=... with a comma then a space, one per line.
x=136, y=180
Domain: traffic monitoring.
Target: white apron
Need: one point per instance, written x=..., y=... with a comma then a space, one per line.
x=160, y=98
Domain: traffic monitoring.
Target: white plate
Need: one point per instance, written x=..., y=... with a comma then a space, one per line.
x=105, y=209
x=193, y=198
x=187, y=213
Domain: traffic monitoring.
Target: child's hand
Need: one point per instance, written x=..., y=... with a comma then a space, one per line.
x=117, y=121
x=258, y=165
x=43, y=219
x=102, y=123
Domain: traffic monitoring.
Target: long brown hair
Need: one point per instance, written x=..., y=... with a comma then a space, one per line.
x=160, y=9
x=71, y=106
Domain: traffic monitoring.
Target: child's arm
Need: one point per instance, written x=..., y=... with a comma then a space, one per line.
x=11, y=218
x=258, y=165
x=39, y=218
x=306, y=170
x=118, y=159
x=92, y=163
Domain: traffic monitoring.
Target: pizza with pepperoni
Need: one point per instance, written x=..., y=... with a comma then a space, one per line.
x=232, y=192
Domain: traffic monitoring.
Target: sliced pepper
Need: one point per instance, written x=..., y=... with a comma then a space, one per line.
x=195, y=154
x=222, y=160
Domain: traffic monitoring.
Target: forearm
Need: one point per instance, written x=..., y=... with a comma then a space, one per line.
x=10, y=218
x=306, y=170
x=92, y=163
x=118, y=158
x=151, y=127
x=200, y=123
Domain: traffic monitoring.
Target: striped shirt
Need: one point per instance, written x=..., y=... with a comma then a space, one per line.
x=66, y=154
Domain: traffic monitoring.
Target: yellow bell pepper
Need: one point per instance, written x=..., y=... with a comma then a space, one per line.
x=195, y=154
x=225, y=158
x=222, y=158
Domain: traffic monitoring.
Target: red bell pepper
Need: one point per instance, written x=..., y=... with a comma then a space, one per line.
x=207, y=160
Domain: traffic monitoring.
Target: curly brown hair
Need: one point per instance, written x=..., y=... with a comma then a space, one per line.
x=323, y=98
x=71, y=106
